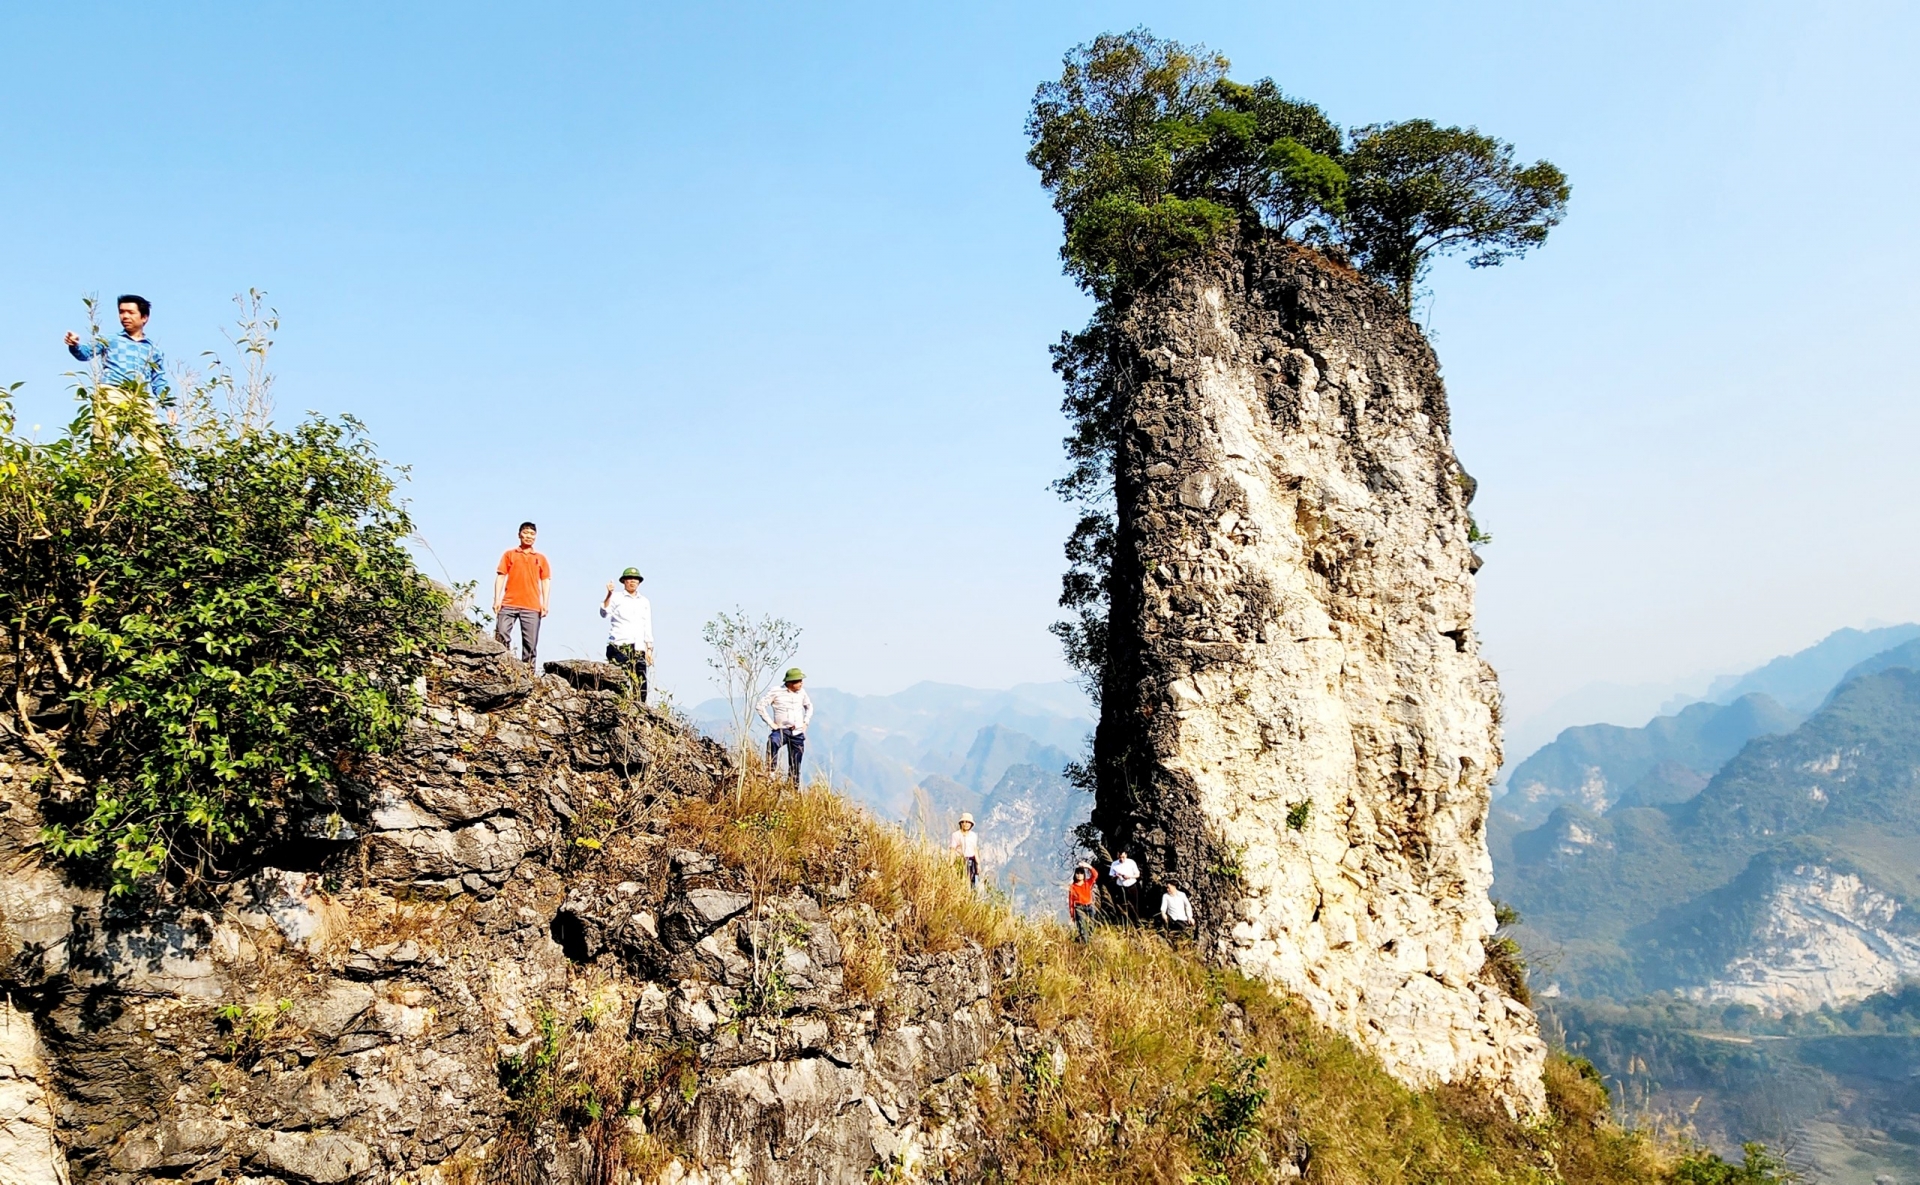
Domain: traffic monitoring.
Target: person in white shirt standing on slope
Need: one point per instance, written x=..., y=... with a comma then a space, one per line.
x=1126, y=883
x=786, y=711
x=1176, y=911
x=629, y=628
x=966, y=844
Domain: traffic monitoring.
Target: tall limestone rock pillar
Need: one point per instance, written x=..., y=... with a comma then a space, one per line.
x=1296, y=720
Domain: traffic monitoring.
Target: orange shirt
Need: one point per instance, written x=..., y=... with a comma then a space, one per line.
x=1080, y=894
x=524, y=569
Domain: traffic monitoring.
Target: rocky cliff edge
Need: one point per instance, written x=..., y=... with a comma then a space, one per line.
x=419, y=988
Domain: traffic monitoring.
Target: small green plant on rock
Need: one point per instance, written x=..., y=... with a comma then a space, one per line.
x=586, y=1077
x=248, y=1027
x=1229, y=865
x=1506, y=967
x=1297, y=814
x=767, y=993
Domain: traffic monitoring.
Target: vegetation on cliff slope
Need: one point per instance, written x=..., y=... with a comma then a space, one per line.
x=205, y=620
x=1140, y=1062
x=1153, y=156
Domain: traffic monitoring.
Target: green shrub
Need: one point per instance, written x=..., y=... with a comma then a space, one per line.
x=206, y=621
x=1757, y=1167
x=1297, y=814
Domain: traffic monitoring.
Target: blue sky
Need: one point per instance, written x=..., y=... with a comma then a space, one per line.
x=758, y=297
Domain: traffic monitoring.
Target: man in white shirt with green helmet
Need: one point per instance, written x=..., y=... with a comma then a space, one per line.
x=786, y=711
x=629, y=628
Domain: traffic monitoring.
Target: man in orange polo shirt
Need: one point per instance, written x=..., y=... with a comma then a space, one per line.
x=520, y=594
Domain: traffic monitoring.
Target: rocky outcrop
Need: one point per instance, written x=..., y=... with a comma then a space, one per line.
x=1296, y=718
x=495, y=958
x=1812, y=936
x=29, y=1152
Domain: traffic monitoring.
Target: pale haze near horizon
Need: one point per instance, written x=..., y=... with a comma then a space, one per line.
x=759, y=299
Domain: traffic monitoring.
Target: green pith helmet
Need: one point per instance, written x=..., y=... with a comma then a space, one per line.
x=633, y=574
x=794, y=675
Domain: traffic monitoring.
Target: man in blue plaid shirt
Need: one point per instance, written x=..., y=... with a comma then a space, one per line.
x=129, y=358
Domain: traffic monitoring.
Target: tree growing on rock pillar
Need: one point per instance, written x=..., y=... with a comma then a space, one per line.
x=1271, y=579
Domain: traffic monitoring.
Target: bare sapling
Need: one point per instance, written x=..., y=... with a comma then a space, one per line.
x=745, y=655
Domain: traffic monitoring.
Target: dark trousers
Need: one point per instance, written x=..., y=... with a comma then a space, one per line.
x=634, y=660
x=529, y=620
x=1082, y=922
x=796, y=743
x=973, y=871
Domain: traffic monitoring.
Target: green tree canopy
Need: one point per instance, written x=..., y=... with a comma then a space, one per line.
x=1419, y=190
x=1151, y=153
x=205, y=622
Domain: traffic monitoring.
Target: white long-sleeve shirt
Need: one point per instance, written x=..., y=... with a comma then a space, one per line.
x=629, y=620
x=1176, y=906
x=1125, y=873
x=966, y=841
x=787, y=709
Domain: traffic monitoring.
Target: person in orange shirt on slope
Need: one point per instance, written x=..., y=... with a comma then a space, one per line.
x=1080, y=903
x=520, y=586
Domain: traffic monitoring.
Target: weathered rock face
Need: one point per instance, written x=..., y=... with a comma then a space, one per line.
x=408, y=1000
x=1813, y=935
x=1296, y=718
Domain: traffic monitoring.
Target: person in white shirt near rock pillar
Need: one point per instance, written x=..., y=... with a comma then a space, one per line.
x=1176, y=911
x=966, y=844
x=629, y=628
x=787, y=711
x=1126, y=885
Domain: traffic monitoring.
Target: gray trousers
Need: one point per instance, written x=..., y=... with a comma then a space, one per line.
x=529, y=620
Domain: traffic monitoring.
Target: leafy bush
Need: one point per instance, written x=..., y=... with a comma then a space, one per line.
x=206, y=620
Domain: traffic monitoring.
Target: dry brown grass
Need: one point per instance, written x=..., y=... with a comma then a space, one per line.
x=783, y=837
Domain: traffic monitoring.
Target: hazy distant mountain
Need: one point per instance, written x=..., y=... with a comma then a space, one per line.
x=1626, y=704
x=1799, y=681
x=1671, y=757
x=1703, y=897
x=1669, y=760
x=1789, y=881
x=879, y=748
x=1907, y=654
x=923, y=755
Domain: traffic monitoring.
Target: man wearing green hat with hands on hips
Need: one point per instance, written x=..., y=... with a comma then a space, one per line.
x=629, y=628
x=787, y=711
